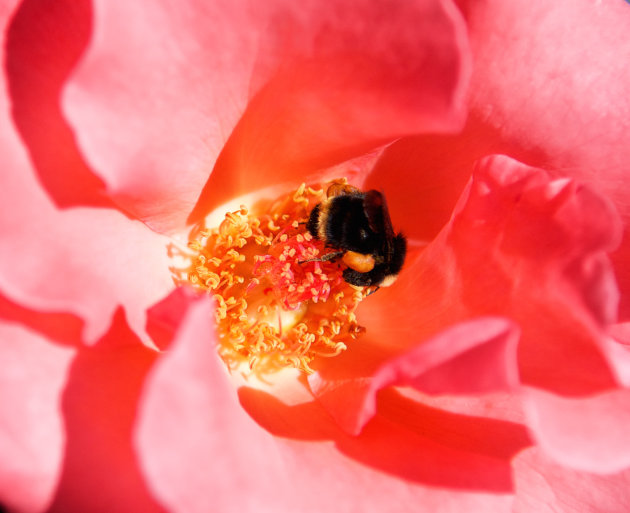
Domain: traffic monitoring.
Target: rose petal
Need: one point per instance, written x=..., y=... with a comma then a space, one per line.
x=100, y=472
x=32, y=438
x=523, y=247
x=165, y=317
x=617, y=351
x=425, y=175
x=228, y=462
x=545, y=487
x=160, y=90
x=81, y=261
x=39, y=59
x=406, y=438
x=498, y=405
x=566, y=108
x=95, y=259
x=573, y=124
x=186, y=453
x=56, y=327
x=577, y=116
x=361, y=85
x=470, y=358
x=518, y=245
x=583, y=433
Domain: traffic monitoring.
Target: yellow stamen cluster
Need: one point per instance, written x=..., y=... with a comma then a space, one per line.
x=277, y=305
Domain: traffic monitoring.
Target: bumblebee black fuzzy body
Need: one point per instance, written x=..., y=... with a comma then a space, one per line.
x=357, y=225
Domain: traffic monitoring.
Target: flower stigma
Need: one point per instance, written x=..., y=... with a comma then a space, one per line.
x=278, y=304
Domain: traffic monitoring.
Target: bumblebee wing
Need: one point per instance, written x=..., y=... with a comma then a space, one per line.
x=376, y=211
x=375, y=208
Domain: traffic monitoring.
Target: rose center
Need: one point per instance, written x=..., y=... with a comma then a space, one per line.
x=278, y=303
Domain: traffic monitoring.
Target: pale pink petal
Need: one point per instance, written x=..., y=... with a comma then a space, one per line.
x=294, y=88
x=551, y=79
x=471, y=358
x=7, y=10
x=81, y=261
x=568, y=104
x=546, y=487
x=39, y=57
x=618, y=351
x=99, y=406
x=621, y=332
x=474, y=357
x=194, y=439
x=583, y=433
x=498, y=405
x=204, y=448
x=32, y=438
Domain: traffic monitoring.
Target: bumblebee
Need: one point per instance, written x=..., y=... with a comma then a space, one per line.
x=357, y=225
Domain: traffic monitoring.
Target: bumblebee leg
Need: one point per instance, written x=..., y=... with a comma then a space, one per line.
x=358, y=261
x=373, y=290
x=325, y=258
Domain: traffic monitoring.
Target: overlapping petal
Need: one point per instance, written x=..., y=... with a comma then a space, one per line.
x=39, y=58
x=80, y=261
x=585, y=433
x=473, y=357
x=548, y=87
x=84, y=261
x=161, y=89
x=202, y=446
x=98, y=408
x=543, y=486
x=512, y=304
x=521, y=246
x=32, y=438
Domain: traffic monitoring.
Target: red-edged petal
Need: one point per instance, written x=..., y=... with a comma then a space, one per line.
x=562, y=110
x=407, y=439
x=161, y=89
x=99, y=407
x=471, y=358
x=32, y=438
x=543, y=486
x=201, y=450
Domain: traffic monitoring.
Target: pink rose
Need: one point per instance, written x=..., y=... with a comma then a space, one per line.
x=492, y=377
